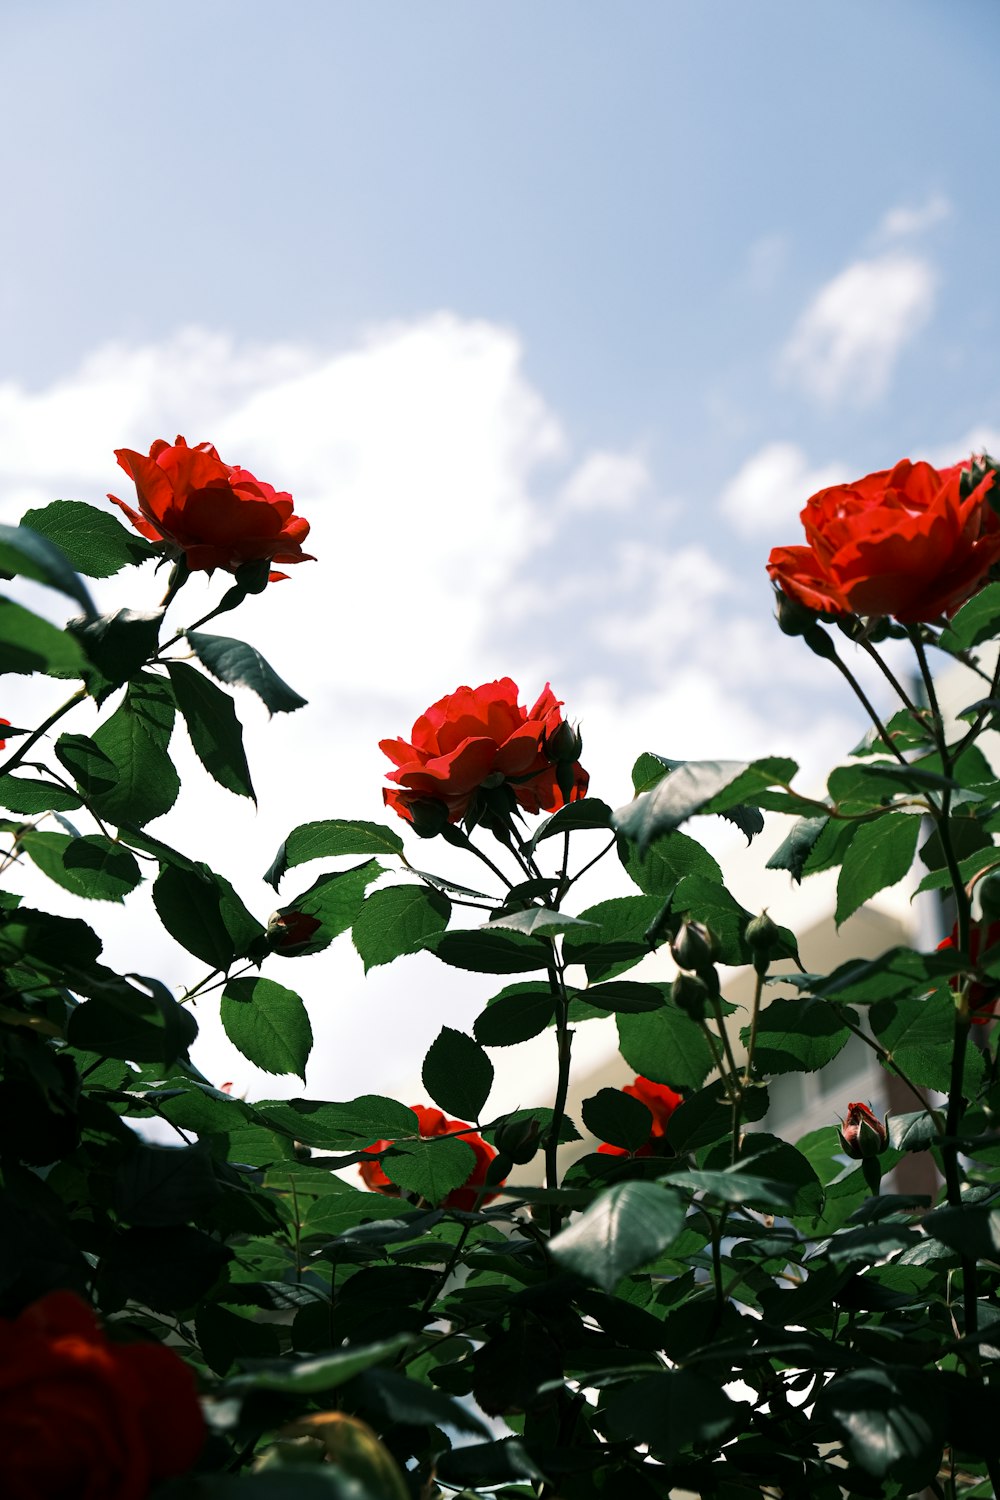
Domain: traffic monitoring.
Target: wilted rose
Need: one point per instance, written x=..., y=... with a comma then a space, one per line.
x=433, y=1122
x=482, y=735
x=862, y=1133
x=85, y=1418
x=661, y=1102
x=901, y=542
x=981, y=995
x=217, y=514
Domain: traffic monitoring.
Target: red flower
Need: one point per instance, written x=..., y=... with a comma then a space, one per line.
x=290, y=929
x=661, y=1102
x=482, y=735
x=218, y=515
x=902, y=542
x=84, y=1418
x=981, y=997
x=432, y=1122
x=3, y=743
x=862, y=1133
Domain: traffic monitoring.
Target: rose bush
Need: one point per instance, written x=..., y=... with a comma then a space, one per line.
x=902, y=542
x=661, y=1101
x=434, y=1122
x=218, y=515
x=82, y=1418
x=478, y=737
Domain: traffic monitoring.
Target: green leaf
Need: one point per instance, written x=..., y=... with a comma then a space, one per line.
x=92, y=770
x=889, y=1426
x=25, y=553
x=490, y=952
x=707, y=1116
x=671, y=1411
x=117, y=646
x=539, y=921
x=340, y=1127
x=268, y=1024
x=782, y=1164
x=880, y=854
x=216, y=732
x=135, y=1018
x=590, y=812
x=666, y=862
x=626, y=1227
x=327, y=1372
x=165, y=1185
x=335, y=900
x=203, y=913
x=697, y=787
x=973, y=1229
x=794, y=850
x=617, y=1118
x=431, y=1168
x=666, y=1046
x=623, y=995
x=94, y=542
x=224, y=1336
x=457, y=1074
x=621, y=942
x=25, y=795
x=797, y=1036
x=918, y=1034
x=239, y=664
x=135, y=740
x=978, y=620
x=707, y=901
x=93, y=866
x=30, y=644
x=328, y=839
x=517, y=1013
x=397, y=921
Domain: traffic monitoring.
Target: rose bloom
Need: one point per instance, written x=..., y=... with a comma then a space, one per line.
x=433, y=1122
x=661, y=1102
x=84, y=1419
x=901, y=542
x=982, y=998
x=862, y=1133
x=218, y=515
x=474, y=734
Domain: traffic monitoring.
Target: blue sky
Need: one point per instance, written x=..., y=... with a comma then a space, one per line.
x=550, y=316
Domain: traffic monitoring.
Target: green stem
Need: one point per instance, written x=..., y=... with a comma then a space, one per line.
x=564, y=1046
x=888, y=1061
x=35, y=736
x=754, y=1018
x=868, y=707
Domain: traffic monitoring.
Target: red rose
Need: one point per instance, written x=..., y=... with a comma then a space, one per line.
x=862, y=1133
x=218, y=515
x=901, y=542
x=433, y=1122
x=290, y=929
x=661, y=1102
x=475, y=735
x=84, y=1419
x=981, y=997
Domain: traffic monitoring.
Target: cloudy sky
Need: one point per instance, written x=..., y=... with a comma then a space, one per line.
x=550, y=318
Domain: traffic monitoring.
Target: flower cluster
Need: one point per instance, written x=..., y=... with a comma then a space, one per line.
x=479, y=740
x=83, y=1417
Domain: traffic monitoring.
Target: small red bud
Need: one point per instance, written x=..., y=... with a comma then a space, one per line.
x=862, y=1133
x=290, y=929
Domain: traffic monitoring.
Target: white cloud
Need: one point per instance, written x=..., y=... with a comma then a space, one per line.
x=849, y=338
x=606, y=481
x=765, y=497
x=903, y=220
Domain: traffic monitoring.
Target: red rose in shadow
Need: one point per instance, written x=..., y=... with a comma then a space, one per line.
x=434, y=1122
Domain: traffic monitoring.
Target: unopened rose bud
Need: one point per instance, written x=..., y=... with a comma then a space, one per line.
x=518, y=1139
x=290, y=929
x=862, y=1133
x=565, y=743
x=763, y=938
x=693, y=947
x=428, y=816
x=988, y=891
x=793, y=618
x=690, y=995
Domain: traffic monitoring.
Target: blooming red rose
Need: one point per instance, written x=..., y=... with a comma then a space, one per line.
x=475, y=735
x=862, y=1133
x=661, y=1102
x=84, y=1419
x=981, y=997
x=218, y=515
x=433, y=1122
x=902, y=542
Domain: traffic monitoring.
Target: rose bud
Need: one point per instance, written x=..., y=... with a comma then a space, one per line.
x=518, y=1139
x=862, y=1133
x=690, y=995
x=763, y=937
x=988, y=891
x=793, y=618
x=693, y=947
x=290, y=929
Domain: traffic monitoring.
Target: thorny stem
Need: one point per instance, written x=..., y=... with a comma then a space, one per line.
x=446, y=1271
x=982, y=716
x=888, y=1060
x=43, y=728
x=564, y=1045
x=869, y=708
x=590, y=863
x=892, y=680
